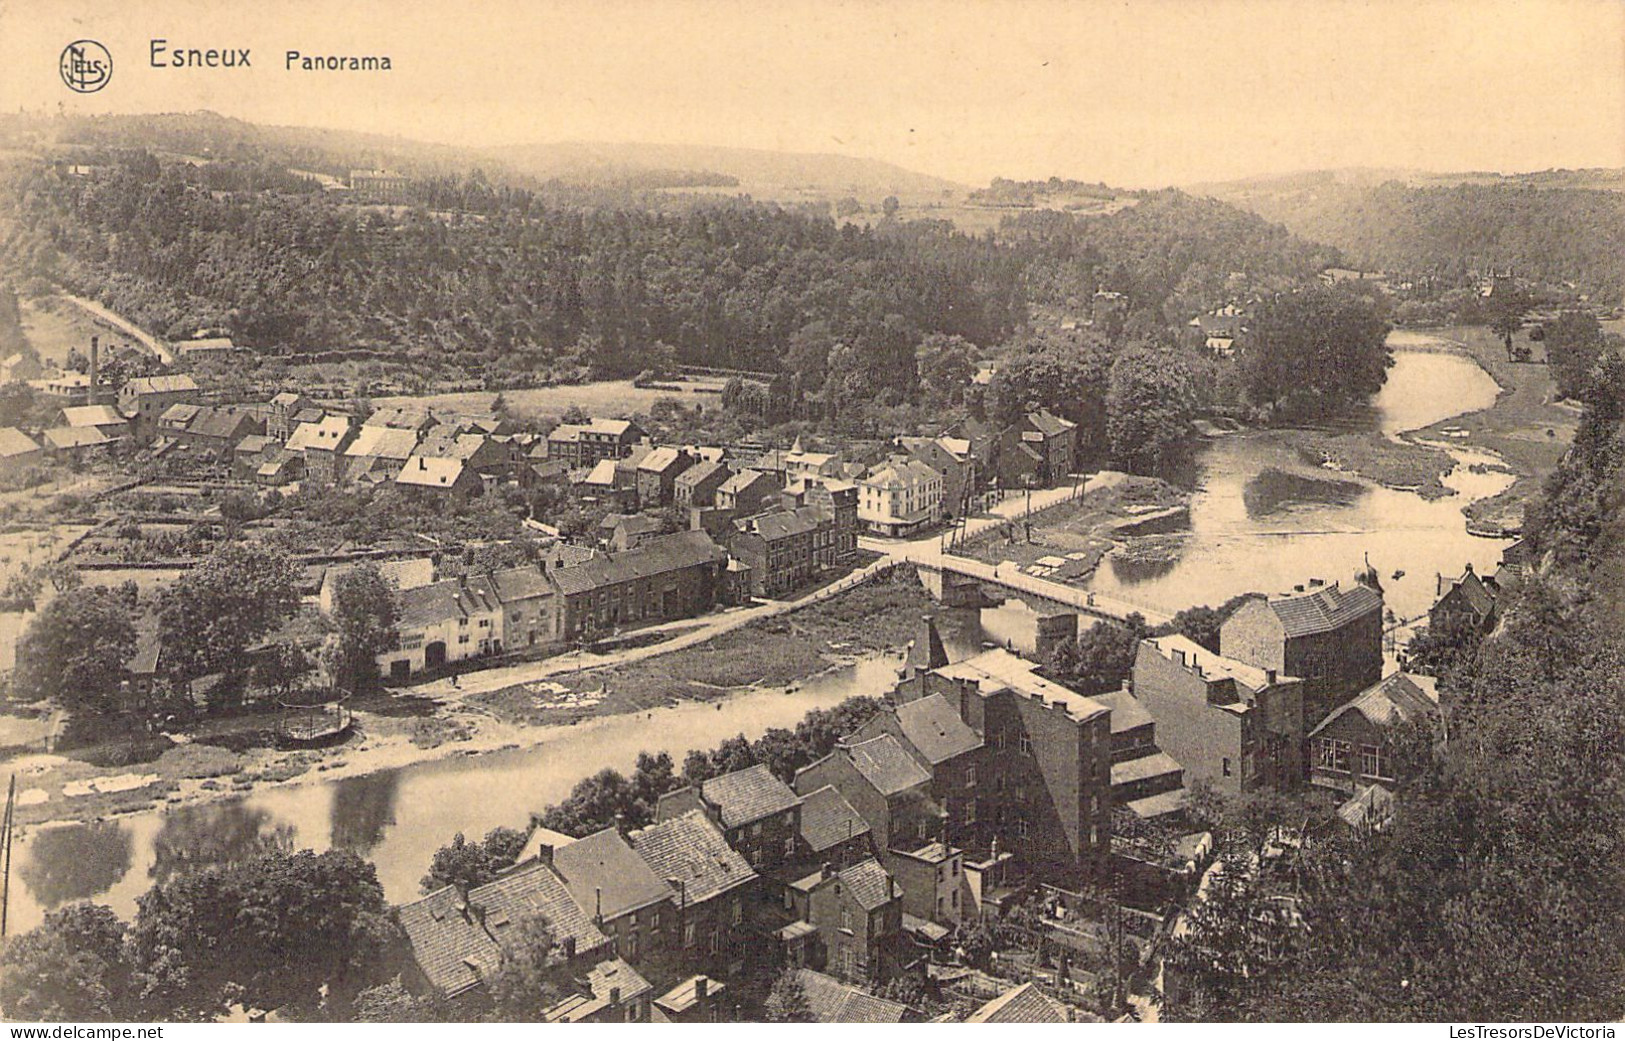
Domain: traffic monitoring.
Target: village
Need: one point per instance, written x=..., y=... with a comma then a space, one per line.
x=986, y=844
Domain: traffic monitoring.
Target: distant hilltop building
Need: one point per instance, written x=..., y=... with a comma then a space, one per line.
x=378, y=185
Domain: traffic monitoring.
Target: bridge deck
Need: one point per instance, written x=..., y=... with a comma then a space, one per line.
x=1098, y=605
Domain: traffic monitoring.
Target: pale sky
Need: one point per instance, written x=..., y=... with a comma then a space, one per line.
x=1138, y=93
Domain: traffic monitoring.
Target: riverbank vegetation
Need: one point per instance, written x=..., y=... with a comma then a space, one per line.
x=1493, y=892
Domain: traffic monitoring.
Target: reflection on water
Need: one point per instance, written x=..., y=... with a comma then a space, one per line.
x=1254, y=530
x=215, y=835
x=1272, y=490
x=363, y=810
x=75, y=862
x=1249, y=531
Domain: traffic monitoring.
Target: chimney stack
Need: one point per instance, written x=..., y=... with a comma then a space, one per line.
x=826, y=869
x=1269, y=677
x=544, y=854
x=95, y=367
x=701, y=986
x=569, y=948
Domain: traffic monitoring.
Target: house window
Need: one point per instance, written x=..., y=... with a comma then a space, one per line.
x=756, y=830
x=632, y=944
x=970, y=777
x=1332, y=754
x=1021, y=828
x=846, y=918
x=738, y=911
x=1227, y=766
x=689, y=933
x=1374, y=762
x=1026, y=745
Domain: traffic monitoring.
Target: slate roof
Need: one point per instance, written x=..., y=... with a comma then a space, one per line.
x=423, y=472
x=661, y=460
x=1127, y=712
x=655, y=557
x=748, y=795
x=165, y=384
x=606, y=876
x=179, y=414
x=254, y=444
x=454, y=949
x=1047, y=423
x=869, y=884
x=691, y=849
x=998, y=669
x=75, y=437
x=451, y=446
x=520, y=583
x=93, y=416
x=885, y=764
x=932, y=725
x=1214, y=666
x=287, y=398
x=744, y=479
x=827, y=819
x=1023, y=1004
x=1146, y=766
x=785, y=524
x=326, y=432
x=1393, y=699
x=1372, y=806
x=603, y=979
x=428, y=605
x=701, y=472
x=1324, y=609
x=383, y=443
x=832, y=1001
x=684, y=996
x=14, y=442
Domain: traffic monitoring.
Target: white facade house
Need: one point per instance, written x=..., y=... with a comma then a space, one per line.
x=900, y=497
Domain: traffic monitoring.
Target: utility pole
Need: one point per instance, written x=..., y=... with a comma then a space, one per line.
x=5, y=853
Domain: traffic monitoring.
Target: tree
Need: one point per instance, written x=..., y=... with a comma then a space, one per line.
x=273, y=930
x=282, y=667
x=1201, y=624
x=945, y=365
x=1065, y=373
x=365, y=616
x=532, y=975
x=216, y=611
x=1506, y=309
x=468, y=864
x=392, y=1003
x=69, y=967
x=1574, y=342
x=1313, y=352
x=593, y=804
x=1102, y=656
x=1447, y=651
x=1149, y=407
x=787, y=1001
x=75, y=650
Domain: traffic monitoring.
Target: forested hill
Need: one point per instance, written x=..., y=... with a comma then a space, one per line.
x=480, y=278
x=1558, y=226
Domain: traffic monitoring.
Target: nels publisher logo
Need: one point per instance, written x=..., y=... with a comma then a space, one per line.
x=86, y=66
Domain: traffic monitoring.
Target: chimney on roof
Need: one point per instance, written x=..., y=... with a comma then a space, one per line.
x=826, y=869
x=569, y=948
x=701, y=986
x=1316, y=583
x=544, y=854
x=1269, y=677
x=598, y=904
x=1297, y=589
x=614, y=995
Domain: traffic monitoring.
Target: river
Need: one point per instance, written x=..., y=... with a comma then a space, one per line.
x=1256, y=528
x=1249, y=531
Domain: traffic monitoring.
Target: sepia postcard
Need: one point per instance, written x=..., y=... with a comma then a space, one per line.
x=824, y=512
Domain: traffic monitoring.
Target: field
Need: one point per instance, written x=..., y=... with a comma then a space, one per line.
x=1524, y=426
x=880, y=615
x=611, y=397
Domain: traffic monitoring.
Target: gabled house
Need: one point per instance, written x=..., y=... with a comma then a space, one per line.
x=441, y=477
x=673, y=576
x=932, y=732
x=857, y=915
x=1353, y=746
x=441, y=624
x=782, y=548
x=1328, y=636
x=322, y=444
x=457, y=940
x=1468, y=601
x=746, y=491
x=1040, y=450
x=615, y=887
x=831, y=1001
x=379, y=450
x=658, y=473
x=697, y=486
x=585, y=444
x=900, y=497
x=832, y=831
x=952, y=458
x=18, y=451
x=144, y=398
x=712, y=882
x=760, y=816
